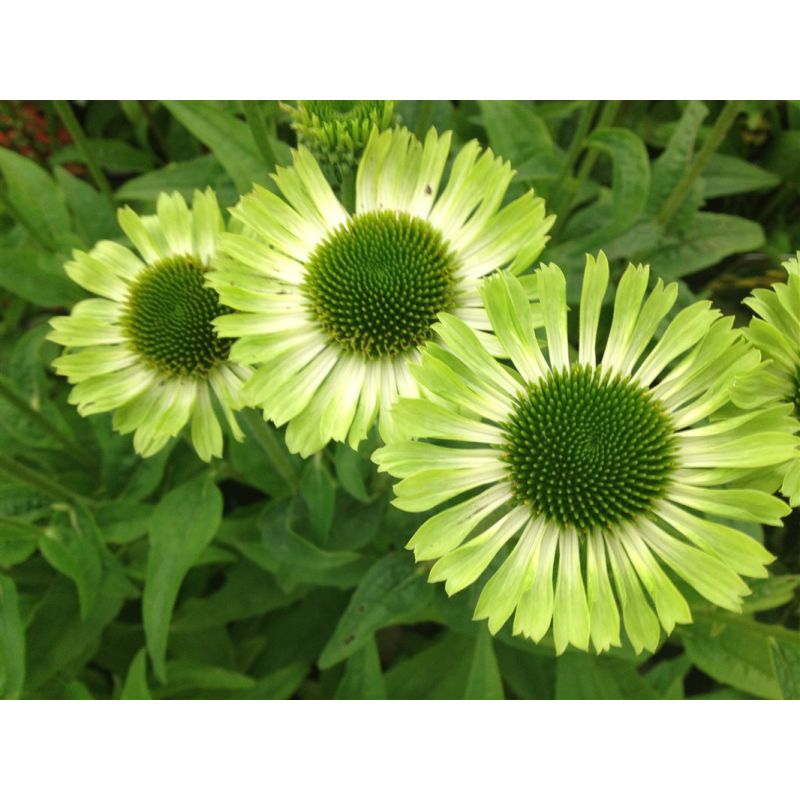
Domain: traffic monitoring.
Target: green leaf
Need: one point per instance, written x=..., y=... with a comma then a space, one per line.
x=393, y=590
x=59, y=641
x=786, y=664
x=293, y=559
x=582, y=676
x=484, y=681
x=726, y=175
x=528, y=675
x=247, y=592
x=319, y=494
x=94, y=219
x=182, y=526
x=226, y=136
x=18, y=541
x=72, y=545
x=515, y=131
x=631, y=180
x=184, y=177
x=666, y=677
x=439, y=672
x=348, y=463
x=363, y=678
x=737, y=651
x=136, y=687
x=12, y=641
x=673, y=163
x=772, y=592
x=705, y=241
x=111, y=154
x=187, y=678
x=35, y=198
x=38, y=277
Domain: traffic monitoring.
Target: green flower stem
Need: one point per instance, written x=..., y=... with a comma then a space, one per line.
x=254, y=113
x=12, y=398
x=81, y=142
x=158, y=136
x=607, y=117
x=714, y=140
x=264, y=434
x=575, y=148
x=34, y=478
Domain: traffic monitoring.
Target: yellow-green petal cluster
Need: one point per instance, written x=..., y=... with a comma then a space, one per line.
x=588, y=486
x=145, y=347
x=331, y=308
x=775, y=331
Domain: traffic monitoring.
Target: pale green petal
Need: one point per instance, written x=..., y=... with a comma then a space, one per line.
x=627, y=304
x=425, y=490
x=553, y=298
x=207, y=225
x=512, y=320
x=671, y=606
x=653, y=312
x=738, y=550
x=92, y=361
x=595, y=283
x=603, y=612
x=703, y=572
x=535, y=610
x=641, y=624
x=465, y=564
x=743, y=504
x=502, y=592
x=175, y=221
x=96, y=276
x=206, y=430
x=417, y=417
x=139, y=235
x=404, y=458
x=106, y=392
x=446, y=530
x=119, y=259
x=684, y=331
x=571, y=612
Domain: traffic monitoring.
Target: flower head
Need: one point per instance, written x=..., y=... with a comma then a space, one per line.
x=581, y=469
x=336, y=131
x=334, y=307
x=146, y=348
x=775, y=331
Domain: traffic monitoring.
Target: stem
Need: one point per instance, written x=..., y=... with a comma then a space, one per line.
x=264, y=434
x=254, y=113
x=158, y=136
x=607, y=116
x=714, y=140
x=575, y=148
x=34, y=478
x=71, y=123
x=12, y=398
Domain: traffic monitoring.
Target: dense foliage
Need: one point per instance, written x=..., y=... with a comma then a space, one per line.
x=264, y=575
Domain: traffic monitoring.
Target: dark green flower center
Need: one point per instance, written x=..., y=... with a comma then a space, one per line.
x=588, y=449
x=377, y=283
x=168, y=319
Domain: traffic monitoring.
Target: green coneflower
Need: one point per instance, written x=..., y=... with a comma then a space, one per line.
x=587, y=468
x=146, y=348
x=775, y=331
x=334, y=307
x=336, y=131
